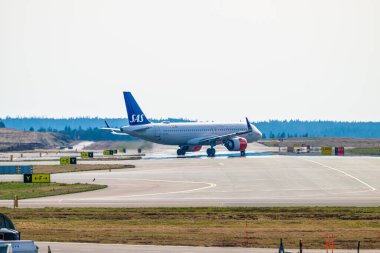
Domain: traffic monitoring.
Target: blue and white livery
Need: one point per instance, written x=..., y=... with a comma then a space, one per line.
x=190, y=137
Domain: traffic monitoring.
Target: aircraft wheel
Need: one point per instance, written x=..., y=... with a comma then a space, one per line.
x=242, y=153
x=211, y=152
x=180, y=152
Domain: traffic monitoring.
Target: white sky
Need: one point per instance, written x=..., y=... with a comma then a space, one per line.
x=206, y=60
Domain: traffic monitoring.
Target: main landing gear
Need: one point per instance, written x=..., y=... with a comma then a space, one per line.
x=180, y=151
x=211, y=152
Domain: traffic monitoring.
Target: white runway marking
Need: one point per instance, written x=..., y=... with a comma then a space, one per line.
x=341, y=171
x=209, y=185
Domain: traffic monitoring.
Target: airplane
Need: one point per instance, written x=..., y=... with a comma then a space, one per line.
x=189, y=136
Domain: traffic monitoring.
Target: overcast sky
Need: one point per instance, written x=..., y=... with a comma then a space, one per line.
x=206, y=60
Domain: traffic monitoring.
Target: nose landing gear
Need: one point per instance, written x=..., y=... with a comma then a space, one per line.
x=211, y=152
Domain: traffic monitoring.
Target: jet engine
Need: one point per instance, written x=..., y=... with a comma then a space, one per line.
x=236, y=144
x=192, y=148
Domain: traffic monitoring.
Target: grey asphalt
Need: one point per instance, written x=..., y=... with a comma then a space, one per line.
x=252, y=181
x=57, y=247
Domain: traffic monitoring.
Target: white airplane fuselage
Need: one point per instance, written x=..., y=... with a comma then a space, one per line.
x=183, y=134
x=189, y=137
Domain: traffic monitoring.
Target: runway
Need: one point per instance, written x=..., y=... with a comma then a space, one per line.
x=67, y=247
x=251, y=181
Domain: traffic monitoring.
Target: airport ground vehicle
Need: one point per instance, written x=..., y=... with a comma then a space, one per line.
x=6, y=248
x=23, y=246
x=10, y=236
x=190, y=137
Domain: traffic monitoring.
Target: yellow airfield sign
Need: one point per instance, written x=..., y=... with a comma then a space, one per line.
x=36, y=178
x=327, y=150
x=68, y=160
x=41, y=178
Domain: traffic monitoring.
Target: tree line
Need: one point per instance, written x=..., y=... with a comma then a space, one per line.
x=319, y=128
x=86, y=128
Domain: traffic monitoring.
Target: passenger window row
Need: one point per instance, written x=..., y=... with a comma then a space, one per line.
x=200, y=130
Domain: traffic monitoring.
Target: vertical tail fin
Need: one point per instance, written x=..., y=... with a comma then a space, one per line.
x=135, y=114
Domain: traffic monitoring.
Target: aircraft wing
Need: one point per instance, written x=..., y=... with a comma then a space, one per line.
x=115, y=131
x=223, y=138
x=110, y=129
x=118, y=131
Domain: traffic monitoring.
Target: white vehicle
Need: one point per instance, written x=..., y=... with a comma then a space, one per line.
x=24, y=246
x=190, y=137
x=6, y=248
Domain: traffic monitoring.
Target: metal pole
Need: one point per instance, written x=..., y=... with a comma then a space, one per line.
x=15, y=202
x=327, y=246
x=281, y=249
x=246, y=235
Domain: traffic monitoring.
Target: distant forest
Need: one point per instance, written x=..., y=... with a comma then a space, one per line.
x=88, y=128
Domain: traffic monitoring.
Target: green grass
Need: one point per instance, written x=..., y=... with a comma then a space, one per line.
x=363, y=151
x=34, y=190
x=213, y=226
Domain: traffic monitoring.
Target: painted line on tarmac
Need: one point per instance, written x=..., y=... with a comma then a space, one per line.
x=209, y=185
x=341, y=171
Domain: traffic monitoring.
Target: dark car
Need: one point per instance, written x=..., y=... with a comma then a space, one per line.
x=7, y=229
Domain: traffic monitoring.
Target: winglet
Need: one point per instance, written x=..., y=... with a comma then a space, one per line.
x=248, y=124
x=107, y=124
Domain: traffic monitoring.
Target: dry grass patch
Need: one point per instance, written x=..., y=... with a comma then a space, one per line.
x=51, y=169
x=203, y=226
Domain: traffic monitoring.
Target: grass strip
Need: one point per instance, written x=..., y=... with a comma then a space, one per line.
x=34, y=190
x=363, y=151
x=50, y=169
